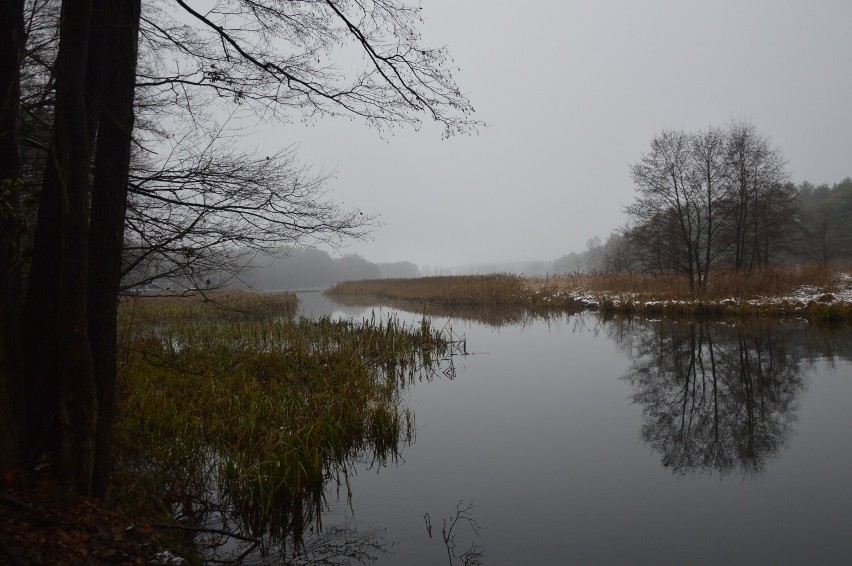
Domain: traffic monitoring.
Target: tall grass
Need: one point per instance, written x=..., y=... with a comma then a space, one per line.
x=761, y=292
x=496, y=289
x=775, y=281
x=492, y=315
x=228, y=304
x=251, y=417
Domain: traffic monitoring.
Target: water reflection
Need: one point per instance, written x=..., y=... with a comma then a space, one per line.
x=305, y=406
x=495, y=315
x=719, y=397
x=266, y=519
x=282, y=523
x=714, y=400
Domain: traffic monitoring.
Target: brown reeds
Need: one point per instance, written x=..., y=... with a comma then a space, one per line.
x=724, y=284
x=816, y=292
x=495, y=289
x=229, y=304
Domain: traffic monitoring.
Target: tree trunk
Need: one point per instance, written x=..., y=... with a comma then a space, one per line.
x=109, y=205
x=41, y=343
x=68, y=171
x=70, y=329
x=12, y=40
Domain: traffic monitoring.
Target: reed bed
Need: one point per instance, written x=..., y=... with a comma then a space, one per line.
x=221, y=304
x=496, y=289
x=815, y=292
x=492, y=315
x=252, y=416
x=724, y=284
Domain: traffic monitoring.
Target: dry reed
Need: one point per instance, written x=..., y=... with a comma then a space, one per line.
x=228, y=304
x=814, y=291
x=496, y=289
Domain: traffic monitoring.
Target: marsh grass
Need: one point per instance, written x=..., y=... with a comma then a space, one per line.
x=777, y=281
x=768, y=292
x=222, y=304
x=481, y=290
x=492, y=315
x=249, y=417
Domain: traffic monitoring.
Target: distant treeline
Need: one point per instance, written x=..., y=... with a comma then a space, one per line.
x=312, y=268
x=528, y=268
x=720, y=198
x=819, y=229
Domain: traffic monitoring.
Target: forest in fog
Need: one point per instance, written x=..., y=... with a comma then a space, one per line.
x=816, y=228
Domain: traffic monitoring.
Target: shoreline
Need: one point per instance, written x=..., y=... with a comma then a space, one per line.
x=826, y=302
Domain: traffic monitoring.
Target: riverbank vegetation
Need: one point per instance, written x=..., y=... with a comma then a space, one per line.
x=815, y=292
x=453, y=290
x=236, y=416
x=230, y=304
x=111, y=182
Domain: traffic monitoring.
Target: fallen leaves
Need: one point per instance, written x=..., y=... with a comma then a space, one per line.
x=41, y=523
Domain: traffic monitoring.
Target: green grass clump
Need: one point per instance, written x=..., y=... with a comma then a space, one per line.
x=227, y=304
x=251, y=417
x=828, y=313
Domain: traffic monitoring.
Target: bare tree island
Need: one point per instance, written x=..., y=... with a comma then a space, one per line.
x=58, y=325
x=706, y=196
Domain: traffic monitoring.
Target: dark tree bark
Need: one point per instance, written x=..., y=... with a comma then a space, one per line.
x=58, y=278
x=40, y=341
x=69, y=328
x=11, y=54
x=72, y=307
x=109, y=206
x=39, y=324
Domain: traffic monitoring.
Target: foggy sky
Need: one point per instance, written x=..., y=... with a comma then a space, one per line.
x=572, y=93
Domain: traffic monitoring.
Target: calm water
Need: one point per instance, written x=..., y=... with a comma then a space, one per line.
x=585, y=441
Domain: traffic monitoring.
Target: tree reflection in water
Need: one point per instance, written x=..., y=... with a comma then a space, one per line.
x=715, y=396
x=494, y=315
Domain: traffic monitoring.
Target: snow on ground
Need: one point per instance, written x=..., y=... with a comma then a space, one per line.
x=839, y=292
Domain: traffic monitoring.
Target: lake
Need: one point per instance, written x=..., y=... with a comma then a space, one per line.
x=580, y=440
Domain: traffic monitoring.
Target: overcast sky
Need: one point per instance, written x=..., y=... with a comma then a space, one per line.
x=572, y=93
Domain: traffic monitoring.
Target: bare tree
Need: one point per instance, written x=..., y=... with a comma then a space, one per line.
x=618, y=256
x=709, y=196
x=825, y=233
x=273, y=60
x=204, y=209
x=709, y=182
x=653, y=242
x=12, y=41
x=278, y=59
x=758, y=176
x=666, y=186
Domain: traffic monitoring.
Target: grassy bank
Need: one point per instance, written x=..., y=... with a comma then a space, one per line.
x=479, y=290
x=816, y=293
x=238, y=420
x=221, y=304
